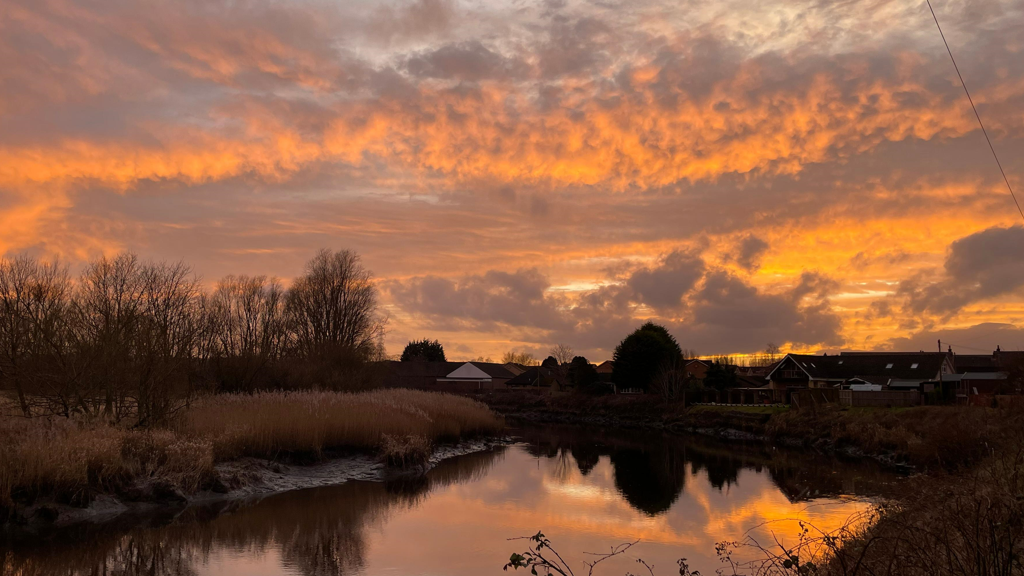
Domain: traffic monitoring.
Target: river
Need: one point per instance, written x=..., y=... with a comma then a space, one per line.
x=587, y=489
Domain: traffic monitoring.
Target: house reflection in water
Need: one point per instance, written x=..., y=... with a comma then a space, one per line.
x=587, y=489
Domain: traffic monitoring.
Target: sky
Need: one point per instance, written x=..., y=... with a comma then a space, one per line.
x=521, y=173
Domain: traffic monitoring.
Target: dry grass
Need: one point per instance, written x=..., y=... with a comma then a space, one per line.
x=274, y=423
x=946, y=437
x=71, y=460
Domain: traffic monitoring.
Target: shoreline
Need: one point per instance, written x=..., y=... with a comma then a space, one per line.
x=906, y=440
x=726, y=433
x=238, y=481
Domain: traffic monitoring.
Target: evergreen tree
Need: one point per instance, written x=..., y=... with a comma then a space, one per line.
x=424, y=350
x=642, y=355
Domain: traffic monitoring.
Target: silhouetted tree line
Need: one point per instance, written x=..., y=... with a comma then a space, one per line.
x=134, y=339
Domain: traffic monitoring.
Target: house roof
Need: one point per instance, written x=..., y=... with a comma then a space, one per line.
x=468, y=371
x=751, y=381
x=878, y=367
x=975, y=363
x=984, y=376
x=419, y=373
x=493, y=369
x=535, y=376
x=605, y=367
x=994, y=362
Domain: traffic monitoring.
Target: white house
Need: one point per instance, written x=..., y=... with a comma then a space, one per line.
x=468, y=376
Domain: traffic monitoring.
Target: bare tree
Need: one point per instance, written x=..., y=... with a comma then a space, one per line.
x=563, y=353
x=166, y=340
x=522, y=358
x=33, y=301
x=249, y=327
x=110, y=304
x=672, y=380
x=333, y=306
x=141, y=325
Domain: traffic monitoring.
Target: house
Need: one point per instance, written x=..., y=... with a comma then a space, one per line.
x=448, y=376
x=696, y=368
x=604, y=371
x=976, y=383
x=472, y=376
x=538, y=377
x=998, y=361
x=797, y=371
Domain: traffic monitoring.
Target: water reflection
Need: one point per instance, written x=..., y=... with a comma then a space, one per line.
x=316, y=532
x=588, y=488
x=651, y=468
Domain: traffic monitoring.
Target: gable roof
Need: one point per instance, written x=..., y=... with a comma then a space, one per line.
x=872, y=366
x=535, y=376
x=605, y=367
x=468, y=372
x=493, y=369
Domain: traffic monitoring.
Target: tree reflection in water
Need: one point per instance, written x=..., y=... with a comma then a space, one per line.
x=319, y=532
x=651, y=468
x=475, y=500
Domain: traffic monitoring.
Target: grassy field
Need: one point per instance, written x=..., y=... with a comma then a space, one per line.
x=71, y=460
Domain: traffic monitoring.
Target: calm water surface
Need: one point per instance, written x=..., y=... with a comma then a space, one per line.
x=587, y=489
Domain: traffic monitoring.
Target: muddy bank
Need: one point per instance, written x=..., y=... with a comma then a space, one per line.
x=238, y=481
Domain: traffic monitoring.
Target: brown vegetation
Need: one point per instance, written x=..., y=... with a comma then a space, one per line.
x=945, y=437
x=73, y=459
x=274, y=423
x=136, y=341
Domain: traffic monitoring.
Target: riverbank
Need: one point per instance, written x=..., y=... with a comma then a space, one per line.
x=962, y=513
x=56, y=469
x=946, y=438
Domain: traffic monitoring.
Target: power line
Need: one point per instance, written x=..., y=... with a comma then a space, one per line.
x=975, y=108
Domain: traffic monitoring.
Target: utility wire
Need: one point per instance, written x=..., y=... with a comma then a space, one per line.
x=975, y=108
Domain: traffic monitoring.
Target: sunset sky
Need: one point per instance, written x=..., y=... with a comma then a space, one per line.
x=521, y=173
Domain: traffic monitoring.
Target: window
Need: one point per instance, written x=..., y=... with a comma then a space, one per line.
x=888, y=366
x=840, y=361
x=914, y=365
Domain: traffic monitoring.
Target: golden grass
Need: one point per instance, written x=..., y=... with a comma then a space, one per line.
x=71, y=460
x=273, y=423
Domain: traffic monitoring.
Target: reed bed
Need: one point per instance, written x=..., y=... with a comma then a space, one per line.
x=72, y=460
x=274, y=423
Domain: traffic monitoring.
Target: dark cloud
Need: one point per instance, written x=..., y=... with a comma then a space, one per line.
x=984, y=265
x=412, y=20
x=574, y=46
x=749, y=252
x=978, y=339
x=663, y=286
x=482, y=301
x=469, y=61
x=723, y=313
x=728, y=314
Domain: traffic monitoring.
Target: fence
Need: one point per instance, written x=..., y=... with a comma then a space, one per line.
x=813, y=397
x=748, y=396
x=884, y=398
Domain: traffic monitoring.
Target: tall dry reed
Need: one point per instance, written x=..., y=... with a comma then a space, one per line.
x=71, y=460
x=272, y=423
